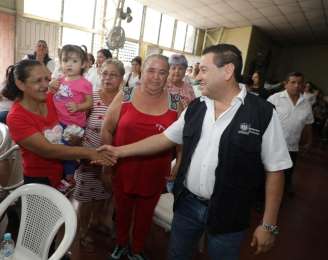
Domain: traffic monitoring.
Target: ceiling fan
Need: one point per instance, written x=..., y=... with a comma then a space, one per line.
x=115, y=39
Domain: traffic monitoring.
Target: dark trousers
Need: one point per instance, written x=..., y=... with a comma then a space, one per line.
x=189, y=223
x=289, y=172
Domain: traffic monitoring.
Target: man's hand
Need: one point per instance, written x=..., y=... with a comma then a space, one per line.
x=104, y=158
x=72, y=107
x=263, y=240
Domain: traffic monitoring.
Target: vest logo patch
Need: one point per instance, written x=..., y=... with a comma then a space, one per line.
x=246, y=129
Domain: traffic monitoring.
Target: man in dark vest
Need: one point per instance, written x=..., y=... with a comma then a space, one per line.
x=230, y=138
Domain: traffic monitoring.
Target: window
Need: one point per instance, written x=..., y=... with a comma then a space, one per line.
x=72, y=36
x=99, y=15
x=190, y=39
x=168, y=53
x=151, y=26
x=97, y=43
x=132, y=29
x=166, y=34
x=128, y=52
x=110, y=14
x=47, y=9
x=78, y=12
x=180, y=36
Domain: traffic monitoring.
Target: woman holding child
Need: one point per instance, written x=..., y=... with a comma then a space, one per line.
x=34, y=125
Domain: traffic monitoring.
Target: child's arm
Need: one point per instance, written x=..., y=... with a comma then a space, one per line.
x=54, y=85
x=84, y=106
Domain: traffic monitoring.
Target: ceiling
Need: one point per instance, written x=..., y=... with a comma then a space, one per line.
x=285, y=21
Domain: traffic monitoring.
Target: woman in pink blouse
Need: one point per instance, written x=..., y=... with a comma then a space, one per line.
x=175, y=84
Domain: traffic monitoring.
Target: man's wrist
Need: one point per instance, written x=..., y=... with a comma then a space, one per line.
x=273, y=229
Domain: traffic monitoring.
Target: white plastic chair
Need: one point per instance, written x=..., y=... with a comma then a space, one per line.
x=10, y=151
x=163, y=214
x=44, y=210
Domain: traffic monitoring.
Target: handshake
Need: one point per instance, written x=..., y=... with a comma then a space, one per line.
x=107, y=155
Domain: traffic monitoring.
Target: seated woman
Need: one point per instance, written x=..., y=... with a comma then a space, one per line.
x=34, y=125
x=175, y=82
x=89, y=190
x=138, y=182
x=41, y=54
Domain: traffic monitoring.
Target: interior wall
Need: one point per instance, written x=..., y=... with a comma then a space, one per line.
x=310, y=60
x=8, y=4
x=260, y=52
x=7, y=42
x=240, y=37
x=29, y=31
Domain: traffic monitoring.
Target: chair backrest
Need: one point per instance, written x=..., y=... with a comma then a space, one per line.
x=5, y=140
x=44, y=210
x=11, y=152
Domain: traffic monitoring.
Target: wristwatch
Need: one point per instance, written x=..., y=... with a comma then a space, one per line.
x=271, y=228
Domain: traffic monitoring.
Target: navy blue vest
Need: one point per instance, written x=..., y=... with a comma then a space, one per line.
x=240, y=168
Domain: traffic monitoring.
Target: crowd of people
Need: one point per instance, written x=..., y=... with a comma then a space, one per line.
x=113, y=135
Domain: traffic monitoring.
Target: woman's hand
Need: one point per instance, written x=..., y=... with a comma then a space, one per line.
x=106, y=177
x=173, y=173
x=103, y=157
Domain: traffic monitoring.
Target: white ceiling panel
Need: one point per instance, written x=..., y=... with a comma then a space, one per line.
x=307, y=16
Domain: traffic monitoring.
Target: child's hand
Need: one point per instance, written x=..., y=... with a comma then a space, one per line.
x=72, y=107
x=54, y=85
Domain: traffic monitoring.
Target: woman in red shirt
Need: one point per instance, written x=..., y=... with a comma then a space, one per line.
x=33, y=124
x=139, y=112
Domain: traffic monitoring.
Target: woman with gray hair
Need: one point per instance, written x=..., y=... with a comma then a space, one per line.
x=90, y=190
x=175, y=83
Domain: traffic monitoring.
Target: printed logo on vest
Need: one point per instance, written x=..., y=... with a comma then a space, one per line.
x=246, y=129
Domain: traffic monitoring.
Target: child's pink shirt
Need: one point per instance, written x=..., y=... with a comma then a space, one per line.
x=72, y=91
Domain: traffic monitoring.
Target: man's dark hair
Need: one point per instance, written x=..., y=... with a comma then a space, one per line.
x=294, y=74
x=225, y=54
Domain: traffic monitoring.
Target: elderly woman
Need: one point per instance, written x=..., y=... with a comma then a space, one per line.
x=89, y=190
x=175, y=84
x=34, y=125
x=139, y=112
x=41, y=54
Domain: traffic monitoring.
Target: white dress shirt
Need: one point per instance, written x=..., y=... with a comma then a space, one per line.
x=200, y=178
x=293, y=118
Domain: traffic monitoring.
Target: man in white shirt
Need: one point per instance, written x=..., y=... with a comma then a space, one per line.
x=228, y=137
x=295, y=114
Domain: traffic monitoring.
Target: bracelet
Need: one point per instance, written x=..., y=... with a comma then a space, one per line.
x=273, y=229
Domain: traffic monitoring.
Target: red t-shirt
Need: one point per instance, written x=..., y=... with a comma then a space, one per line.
x=23, y=124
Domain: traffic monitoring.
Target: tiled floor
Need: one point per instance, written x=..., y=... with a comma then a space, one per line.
x=303, y=220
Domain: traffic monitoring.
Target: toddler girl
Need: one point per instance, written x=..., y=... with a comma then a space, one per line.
x=73, y=97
